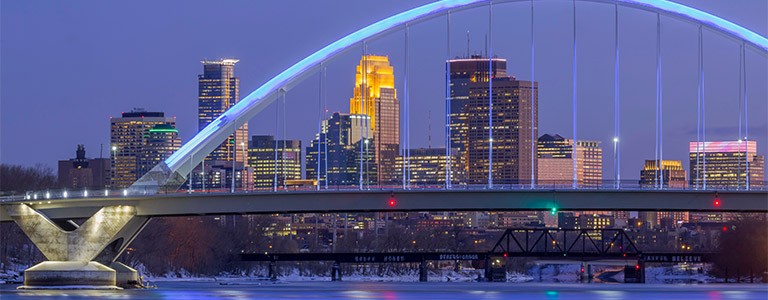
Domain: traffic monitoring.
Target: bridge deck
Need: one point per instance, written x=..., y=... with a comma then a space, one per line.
x=420, y=200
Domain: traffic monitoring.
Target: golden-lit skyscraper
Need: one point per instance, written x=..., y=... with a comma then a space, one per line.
x=555, y=157
x=219, y=90
x=671, y=174
x=129, y=136
x=376, y=97
x=726, y=164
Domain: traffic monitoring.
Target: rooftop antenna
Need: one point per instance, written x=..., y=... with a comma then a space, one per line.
x=101, y=151
x=468, y=44
x=429, y=127
x=486, y=45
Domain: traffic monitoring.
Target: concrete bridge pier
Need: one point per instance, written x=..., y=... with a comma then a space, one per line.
x=84, y=256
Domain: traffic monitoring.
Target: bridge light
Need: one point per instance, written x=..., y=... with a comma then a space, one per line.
x=717, y=202
x=553, y=211
x=725, y=228
x=106, y=192
x=85, y=193
x=125, y=192
x=392, y=202
x=47, y=195
x=505, y=255
x=637, y=267
x=65, y=194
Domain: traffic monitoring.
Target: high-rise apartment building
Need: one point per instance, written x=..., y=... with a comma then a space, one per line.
x=375, y=96
x=510, y=143
x=726, y=164
x=555, y=157
x=263, y=150
x=219, y=90
x=339, y=152
x=81, y=172
x=129, y=136
x=669, y=174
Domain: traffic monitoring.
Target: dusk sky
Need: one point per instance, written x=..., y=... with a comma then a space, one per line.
x=66, y=67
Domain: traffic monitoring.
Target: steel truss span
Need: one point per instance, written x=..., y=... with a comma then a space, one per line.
x=174, y=170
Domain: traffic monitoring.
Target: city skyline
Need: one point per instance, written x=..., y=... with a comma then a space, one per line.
x=302, y=132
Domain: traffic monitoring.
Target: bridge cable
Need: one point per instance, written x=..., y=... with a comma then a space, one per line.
x=448, y=141
x=319, y=122
x=739, y=137
x=616, y=165
x=490, y=94
x=325, y=117
x=575, y=131
x=657, y=148
x=746, y=115
x=363, y=75
x=534, y=119
x=406, y=168
x=285, y=140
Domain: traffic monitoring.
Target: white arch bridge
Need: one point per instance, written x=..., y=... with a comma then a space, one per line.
x=85, y=254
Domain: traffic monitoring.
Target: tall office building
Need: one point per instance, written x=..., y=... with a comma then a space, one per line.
x=219, y=90
x=81, y=172
x=339, y=152
x=129, y=136
x=465, y=71
x=555, y=157
x=511, y=131
x=726, y=164
x=671, y=174
x=262, y=151
x=375, y=96
x=426, y=166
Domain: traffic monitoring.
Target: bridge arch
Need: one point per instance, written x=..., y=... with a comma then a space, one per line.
x=173, y=171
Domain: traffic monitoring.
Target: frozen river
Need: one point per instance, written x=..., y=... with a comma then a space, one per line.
x=406, y=290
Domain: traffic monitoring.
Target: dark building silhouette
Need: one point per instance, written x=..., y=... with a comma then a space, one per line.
x=84, y=173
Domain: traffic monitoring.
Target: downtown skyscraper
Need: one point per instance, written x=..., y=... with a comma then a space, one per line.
x=267, y=156
x=130, y=136
x=219, y=90
x=507, y=144
x=333, y=157
x=375, y=97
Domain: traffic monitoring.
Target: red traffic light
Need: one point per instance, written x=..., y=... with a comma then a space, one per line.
x=717, y=202
x=637, y=267
x=725, y=228
x=505, y=255
x=391, y=202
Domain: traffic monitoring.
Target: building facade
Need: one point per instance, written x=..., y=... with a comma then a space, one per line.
x=264, y=151
x=129, y=135
x=510, y=143
x=463, y=72
x=555, y=157
x=84, y=173
x=338, y=151
x=726, y=164
x=375, y=96
x=670, y=174
x=426, y=166
x=162, y=141
x=219, y=90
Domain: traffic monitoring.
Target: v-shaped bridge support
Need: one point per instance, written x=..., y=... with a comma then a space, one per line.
x=80, y=256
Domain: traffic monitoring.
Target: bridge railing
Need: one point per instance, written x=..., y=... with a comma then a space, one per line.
x=633, y=185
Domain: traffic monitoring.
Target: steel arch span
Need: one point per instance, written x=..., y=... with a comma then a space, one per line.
x=171, y=173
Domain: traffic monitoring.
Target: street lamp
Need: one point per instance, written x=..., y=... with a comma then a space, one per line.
x=615, y=162
x=245, y=163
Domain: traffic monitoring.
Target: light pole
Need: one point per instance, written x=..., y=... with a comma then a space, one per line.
x=114, y=162
x=615, y=162
x=245, y=163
